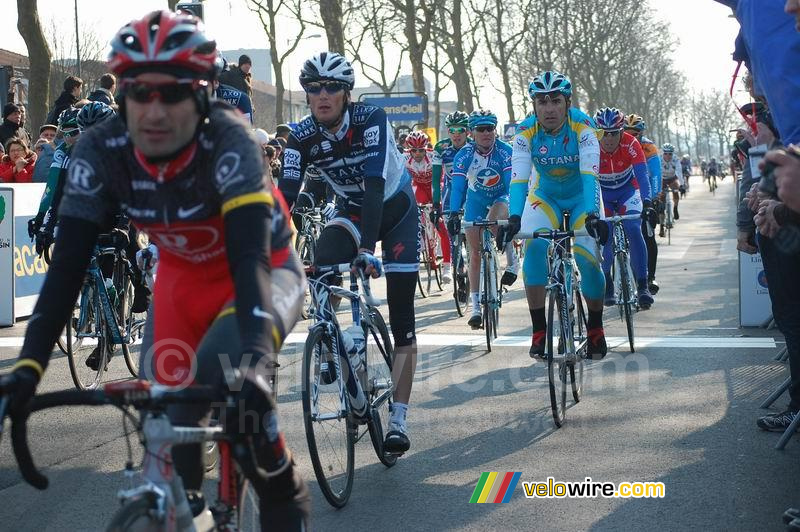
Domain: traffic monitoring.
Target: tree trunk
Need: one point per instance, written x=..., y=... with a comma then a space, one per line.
x=39, y=56
x=415, y=48
x=277, y=65
x=331, y=13
x=171, y=4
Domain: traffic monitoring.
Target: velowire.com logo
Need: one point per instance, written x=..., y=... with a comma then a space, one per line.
x=495, y=487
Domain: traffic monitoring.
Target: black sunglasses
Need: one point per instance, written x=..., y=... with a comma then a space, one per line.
x=168, y=93
x=331, y=87
x=484, y=129
x=614, y=133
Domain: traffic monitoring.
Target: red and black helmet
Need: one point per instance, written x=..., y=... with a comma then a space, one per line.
x=173, y=43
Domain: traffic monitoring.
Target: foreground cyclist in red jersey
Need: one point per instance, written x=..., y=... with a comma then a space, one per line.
x=188, y=172
x=419, y=163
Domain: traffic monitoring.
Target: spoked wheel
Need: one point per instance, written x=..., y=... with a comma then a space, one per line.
x=424, y=278
x=626, y=305
x=87, y=357
x=580, y=328
x=330, y=436
x=460, y=277
x=486, y=303
x=556, y=362
x=498, y=295
x=137, y=514
x=305, y=252
x=379, y=385
x=62, y=341
x=249, y=513
x=126, y=318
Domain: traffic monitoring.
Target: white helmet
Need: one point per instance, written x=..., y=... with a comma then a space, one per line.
x=327, y=66
x=261, y=136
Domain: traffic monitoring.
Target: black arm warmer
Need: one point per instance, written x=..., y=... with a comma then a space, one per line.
x=371, y=212
x=247, y=238
x=785, y=216
x=73, y=250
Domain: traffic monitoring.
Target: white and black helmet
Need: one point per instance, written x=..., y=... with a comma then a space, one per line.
x=328, y=66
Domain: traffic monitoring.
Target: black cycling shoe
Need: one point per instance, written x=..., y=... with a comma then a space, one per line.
x=675, y=213
x=597, y=348
x=197, y=502
x=93, y=361
x=778, y=422
x=508, y=278
x=645, y=297
x=537, y=345
x=397, y=441
x=653, y=286
x=475, y=321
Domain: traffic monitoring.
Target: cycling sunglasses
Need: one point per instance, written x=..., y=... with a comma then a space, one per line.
x=331, y=87
x=169, y=93
x=483, y=129
x=71, y=132
x=419, y=150
x=457, y=130
x=615, y=133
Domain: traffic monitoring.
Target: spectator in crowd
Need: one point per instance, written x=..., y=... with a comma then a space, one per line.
x=262, y=137
x=283, y=131
x=278, y=146
x=105, y=92
x=17, y=164
x=238, y=76
x=269, y=159
x=23, y=132
x=45, y=148
x=68, y=98
x=11, y=123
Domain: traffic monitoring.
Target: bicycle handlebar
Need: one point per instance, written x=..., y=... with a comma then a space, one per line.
x=140, y=394
x=552, y=235
x=345, y=267
x=485, y=223
x=621, y=218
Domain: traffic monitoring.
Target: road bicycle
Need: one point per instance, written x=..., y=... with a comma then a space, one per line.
x=712, y=184
x=313, y=222
x=103, y=318
x=347, y=381
x=667, y=214
x=566, y=318
x=159, y=502
x=491, y=295
x=459, y=251
x=622, y=274
x=430, y=253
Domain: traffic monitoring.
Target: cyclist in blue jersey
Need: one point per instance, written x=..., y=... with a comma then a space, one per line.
x=554, y=169
x=626, y=190
x=353, y=148
x=481, y=174
x=443, y=154
x=635, y=126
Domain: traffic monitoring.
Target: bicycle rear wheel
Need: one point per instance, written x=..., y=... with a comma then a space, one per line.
x=305, y=252
x=460, y=277
x=556, y=363
x=126, y=318
x=424, y=277
x=580, y=326
x=62, y=341
x=627, y=295
x=379, y=386
x=248, y=510
x=84, y=348
x=330, y=436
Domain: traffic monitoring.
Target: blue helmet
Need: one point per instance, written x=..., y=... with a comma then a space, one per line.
x=609, y=119
x=93, y=113
x=482, y=117
x=550, y=81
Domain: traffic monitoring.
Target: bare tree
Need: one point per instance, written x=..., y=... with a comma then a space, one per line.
x=376, y=27
x=268, y=12
x=93, y=64
x=39, y=54
x=332, y=15
x=171, y=4
x=417, y=16
x=452, y=32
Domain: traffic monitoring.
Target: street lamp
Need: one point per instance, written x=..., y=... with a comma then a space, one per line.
x=288, y=43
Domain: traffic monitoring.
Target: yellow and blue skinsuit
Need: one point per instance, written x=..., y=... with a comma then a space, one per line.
x=553, y=173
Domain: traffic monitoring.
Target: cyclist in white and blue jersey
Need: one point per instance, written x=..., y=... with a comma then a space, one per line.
x=481, y=174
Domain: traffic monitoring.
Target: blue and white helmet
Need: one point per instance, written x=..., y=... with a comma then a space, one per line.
x=609, y=119
x=93, y=113
x=669, y=148
x=482, y=117
x=550, y=81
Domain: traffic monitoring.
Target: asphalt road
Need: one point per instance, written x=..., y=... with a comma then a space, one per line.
x=680, y=411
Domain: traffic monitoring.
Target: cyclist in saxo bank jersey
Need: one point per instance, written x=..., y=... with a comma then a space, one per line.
x=188, y=172
x=556, y=150
x=420, y=165
x=352, y=146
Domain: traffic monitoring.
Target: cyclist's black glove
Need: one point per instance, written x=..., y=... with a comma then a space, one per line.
x=454, y=224
x=505, y=234
x=368, y=263
x=34, y=224
x=597, y=228
x=19, y=386
x=436, y=213
x=44, y=238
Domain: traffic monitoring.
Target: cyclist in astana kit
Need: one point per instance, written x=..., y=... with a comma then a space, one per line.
x=187, y=171
x=556, y=150
x=352, y=146
x=419, y=164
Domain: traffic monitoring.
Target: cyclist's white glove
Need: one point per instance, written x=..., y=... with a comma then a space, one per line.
x=142, y=256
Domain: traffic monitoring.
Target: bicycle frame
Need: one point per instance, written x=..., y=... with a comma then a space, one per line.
x=621, y=247
x=488, y=259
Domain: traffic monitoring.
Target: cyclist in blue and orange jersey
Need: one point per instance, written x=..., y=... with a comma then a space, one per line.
x=635, y=126
x=443, y=154
x=419, y=163
x=626, y=190
x=481, y=177
x=186, y=169
x=555, y=164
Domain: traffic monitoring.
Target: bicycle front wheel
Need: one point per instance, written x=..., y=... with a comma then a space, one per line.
x=330, y=436
x=556, y=362
x=87, y=345
x=136, y=514
x=424, y=277
x=460, y=277
x=580, y=324
x=248, y=510
x=379, y=385
x=486, y=302
x=627, y=295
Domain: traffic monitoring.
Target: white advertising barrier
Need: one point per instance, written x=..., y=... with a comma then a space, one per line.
x=21, y=270
x=754, y=304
